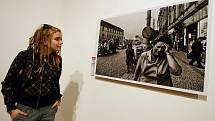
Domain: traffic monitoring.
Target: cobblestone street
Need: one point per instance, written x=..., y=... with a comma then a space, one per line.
x=114, y=65
x=192, y=78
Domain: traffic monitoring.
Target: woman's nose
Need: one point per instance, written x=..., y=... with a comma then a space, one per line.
x=61, y=42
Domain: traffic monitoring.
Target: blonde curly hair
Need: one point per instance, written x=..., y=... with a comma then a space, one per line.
x=40, y=44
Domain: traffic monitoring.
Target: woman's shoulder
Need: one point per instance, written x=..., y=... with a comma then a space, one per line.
x=23, y=53
x=26, y=52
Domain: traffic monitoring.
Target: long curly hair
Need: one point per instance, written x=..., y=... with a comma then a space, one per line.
x=40, y=44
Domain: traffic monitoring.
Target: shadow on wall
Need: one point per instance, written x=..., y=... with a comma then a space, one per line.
x=67, y=110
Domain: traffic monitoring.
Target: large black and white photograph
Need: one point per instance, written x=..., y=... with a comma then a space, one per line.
x=162, y=47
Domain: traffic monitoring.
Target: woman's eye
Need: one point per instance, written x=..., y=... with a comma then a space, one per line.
x=58, y=39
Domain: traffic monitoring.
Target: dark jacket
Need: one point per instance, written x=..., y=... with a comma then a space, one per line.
x=197, y=48
x=130, y=56
x=31, y=88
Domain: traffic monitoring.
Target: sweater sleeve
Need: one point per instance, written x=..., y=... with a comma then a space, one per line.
x=10, y=82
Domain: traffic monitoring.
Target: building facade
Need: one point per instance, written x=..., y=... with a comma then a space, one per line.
x=109, y=31
x=185, y=22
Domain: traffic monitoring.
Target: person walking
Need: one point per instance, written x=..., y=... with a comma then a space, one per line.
x=196, y=52
x=130, y=58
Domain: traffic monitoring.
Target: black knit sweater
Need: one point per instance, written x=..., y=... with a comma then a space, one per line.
x=33, y=89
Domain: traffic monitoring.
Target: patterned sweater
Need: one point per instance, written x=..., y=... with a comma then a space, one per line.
x=33, y=89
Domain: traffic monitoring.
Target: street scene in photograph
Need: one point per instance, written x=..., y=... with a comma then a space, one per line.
x=164, y=46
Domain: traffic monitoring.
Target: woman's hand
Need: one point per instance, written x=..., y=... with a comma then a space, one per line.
x=167, y=48
x=56, y=104
x=14, y=113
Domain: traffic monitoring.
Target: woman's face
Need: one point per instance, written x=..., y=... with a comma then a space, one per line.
x=56, y=42
x=159, y=49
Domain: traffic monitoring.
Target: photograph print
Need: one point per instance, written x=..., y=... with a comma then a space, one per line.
x=161, y=47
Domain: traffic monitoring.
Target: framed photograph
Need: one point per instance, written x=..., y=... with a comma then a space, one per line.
x=162, y=47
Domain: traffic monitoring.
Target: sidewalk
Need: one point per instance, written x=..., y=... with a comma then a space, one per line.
x=182, y=56
x=192, y=77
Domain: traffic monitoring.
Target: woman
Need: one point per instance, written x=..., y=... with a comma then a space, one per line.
x=31, y=87
x=154, y=66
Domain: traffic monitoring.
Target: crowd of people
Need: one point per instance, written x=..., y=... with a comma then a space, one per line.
x=108, y=46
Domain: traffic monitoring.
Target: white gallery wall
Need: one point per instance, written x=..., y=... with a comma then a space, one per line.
x=86, y=98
